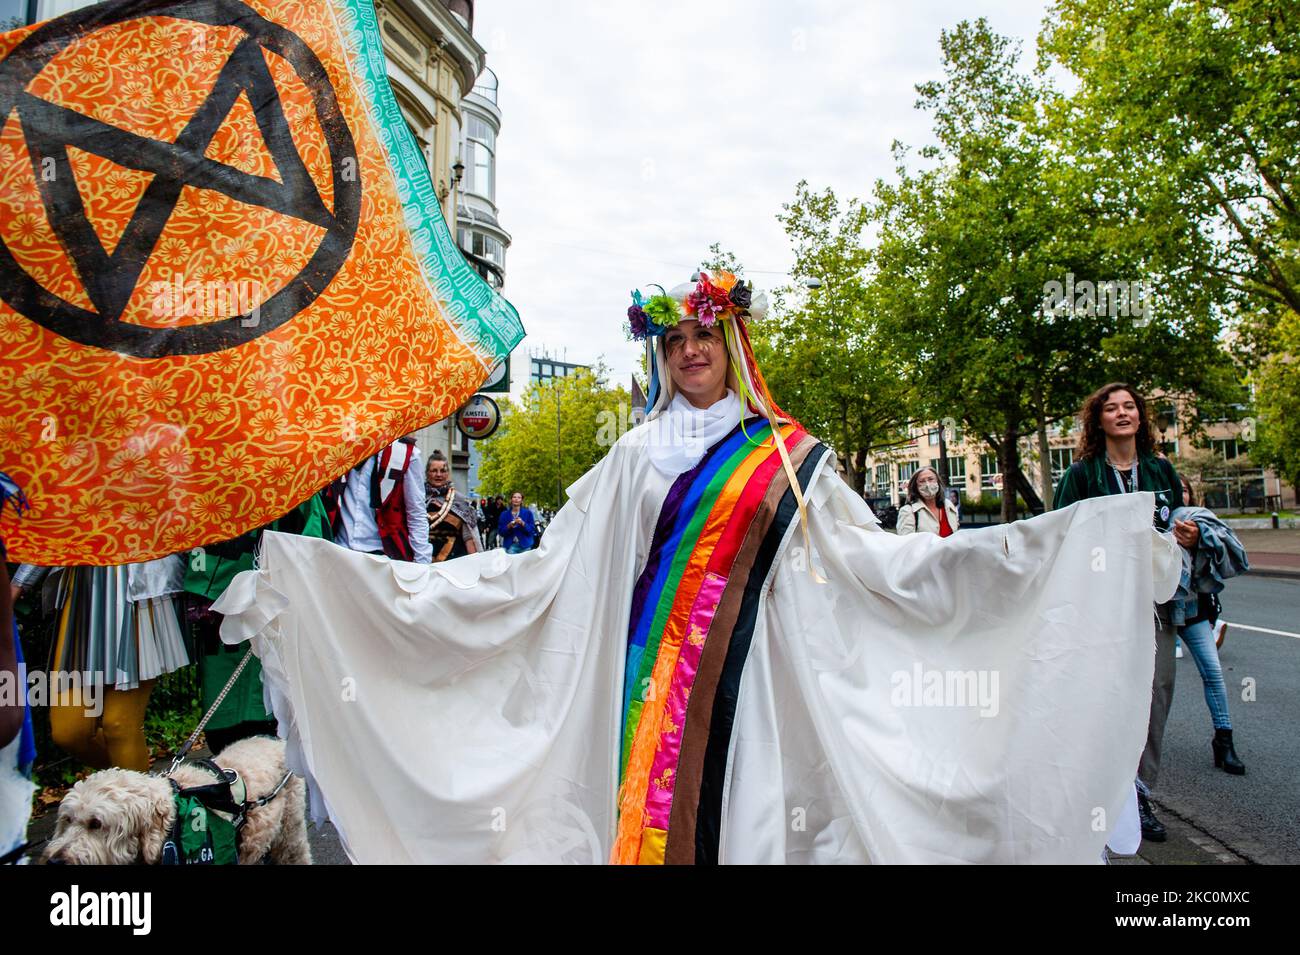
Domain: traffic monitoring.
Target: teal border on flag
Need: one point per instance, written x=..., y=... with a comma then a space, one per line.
x=479, y=313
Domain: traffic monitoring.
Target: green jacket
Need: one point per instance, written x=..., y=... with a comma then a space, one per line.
x=208, y=572
x=1090, y=477
x=210, y=569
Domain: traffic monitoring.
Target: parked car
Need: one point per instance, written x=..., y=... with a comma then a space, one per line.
x=885, y=510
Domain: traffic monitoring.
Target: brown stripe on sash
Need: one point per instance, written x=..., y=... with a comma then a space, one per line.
x=680, y=847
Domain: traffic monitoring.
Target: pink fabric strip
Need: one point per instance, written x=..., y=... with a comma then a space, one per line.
x=663, y=772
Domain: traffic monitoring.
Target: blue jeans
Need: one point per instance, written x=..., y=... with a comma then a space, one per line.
x=1199, y=640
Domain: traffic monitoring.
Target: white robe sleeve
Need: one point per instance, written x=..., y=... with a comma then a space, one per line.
x=466, y=711
x=979, y=698
x=470, y=711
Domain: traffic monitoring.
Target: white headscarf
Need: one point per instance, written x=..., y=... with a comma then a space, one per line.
x=681, y=433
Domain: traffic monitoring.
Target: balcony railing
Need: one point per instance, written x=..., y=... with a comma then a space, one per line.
x=486, y=87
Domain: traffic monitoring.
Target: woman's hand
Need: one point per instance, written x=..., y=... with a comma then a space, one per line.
x=1187, y=534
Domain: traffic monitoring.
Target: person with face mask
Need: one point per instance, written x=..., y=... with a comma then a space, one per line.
x=928, y=509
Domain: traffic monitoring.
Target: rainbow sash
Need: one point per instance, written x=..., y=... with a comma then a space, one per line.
x=692, y=620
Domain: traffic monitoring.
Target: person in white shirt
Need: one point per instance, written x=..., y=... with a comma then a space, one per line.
x=379, y=506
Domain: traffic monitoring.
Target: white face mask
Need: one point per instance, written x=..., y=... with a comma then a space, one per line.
x=928, y=489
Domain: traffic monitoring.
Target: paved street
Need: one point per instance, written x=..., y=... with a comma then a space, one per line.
x=1256, y=817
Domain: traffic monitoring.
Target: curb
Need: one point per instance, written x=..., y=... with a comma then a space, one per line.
x=1283, y=572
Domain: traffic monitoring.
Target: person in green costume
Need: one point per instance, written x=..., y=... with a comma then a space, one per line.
x=210, y=569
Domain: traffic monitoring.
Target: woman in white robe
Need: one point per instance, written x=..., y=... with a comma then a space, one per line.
x=980, y=698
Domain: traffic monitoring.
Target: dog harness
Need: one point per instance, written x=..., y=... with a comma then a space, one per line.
x=208, y=820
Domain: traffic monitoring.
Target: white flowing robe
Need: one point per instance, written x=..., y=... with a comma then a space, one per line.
x=979, y=698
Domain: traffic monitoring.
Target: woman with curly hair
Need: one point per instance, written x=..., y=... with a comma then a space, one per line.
x=1116, y=455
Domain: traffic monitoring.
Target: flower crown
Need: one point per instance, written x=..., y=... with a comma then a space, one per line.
x=709, y=299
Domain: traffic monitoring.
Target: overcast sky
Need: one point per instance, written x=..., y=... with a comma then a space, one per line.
x=637, y=132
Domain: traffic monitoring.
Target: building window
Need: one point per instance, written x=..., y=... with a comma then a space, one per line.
x=883, y=483
x=490, y=249
x=481, y=131
x=906, y=469
x=1062, y=458
x=486, y=249
x=990, y=475
x=934, y=438
x=480, y=147
x=1228, y=448
x=956, y=469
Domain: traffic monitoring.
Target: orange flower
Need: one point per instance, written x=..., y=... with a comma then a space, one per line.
x=724, y=280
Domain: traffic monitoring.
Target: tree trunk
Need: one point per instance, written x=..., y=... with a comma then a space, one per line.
x=850, y=465
x=860, y=460
x=1009, y=461
x=1044, y=449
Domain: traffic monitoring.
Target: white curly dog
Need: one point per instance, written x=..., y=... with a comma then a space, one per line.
x=120, y=817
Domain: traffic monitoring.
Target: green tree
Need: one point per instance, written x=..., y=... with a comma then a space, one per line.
x=969, y=245
x=1277, y=439
x=826, y=354
x=1187, y=111
x=558, y=432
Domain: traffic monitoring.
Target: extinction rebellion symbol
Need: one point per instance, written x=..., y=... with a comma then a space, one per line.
x=110, y=279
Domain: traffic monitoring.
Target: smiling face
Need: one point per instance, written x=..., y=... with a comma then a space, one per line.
x=516, y=500
x=1120, y=417
x=697, y=361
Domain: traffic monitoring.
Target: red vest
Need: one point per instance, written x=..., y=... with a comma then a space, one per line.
x=387, y=497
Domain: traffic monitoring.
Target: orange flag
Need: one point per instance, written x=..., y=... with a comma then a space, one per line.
x=224, y=273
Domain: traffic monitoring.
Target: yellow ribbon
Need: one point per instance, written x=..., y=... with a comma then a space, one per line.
x=779, y=440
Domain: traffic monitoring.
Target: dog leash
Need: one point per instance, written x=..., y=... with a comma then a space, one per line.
x=189, y=743
x=258, y=803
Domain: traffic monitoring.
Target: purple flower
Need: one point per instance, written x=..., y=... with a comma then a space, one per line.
x=637, y=319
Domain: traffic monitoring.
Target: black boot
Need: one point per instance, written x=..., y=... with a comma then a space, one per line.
x=1224, y=754
x=1152, y=828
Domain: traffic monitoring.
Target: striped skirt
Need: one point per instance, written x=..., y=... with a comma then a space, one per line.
x=110, y=639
